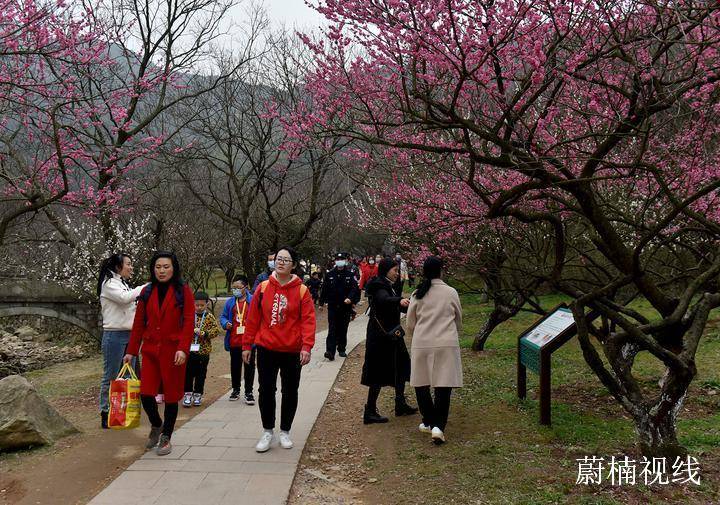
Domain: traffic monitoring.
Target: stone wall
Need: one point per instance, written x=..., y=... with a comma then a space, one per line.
x=33, y=342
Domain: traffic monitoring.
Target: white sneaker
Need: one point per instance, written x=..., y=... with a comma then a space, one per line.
x=425, y=429
x=438, y=437
x=285, y=441
x=187, y=400
x=264, y=443
x=197, y=399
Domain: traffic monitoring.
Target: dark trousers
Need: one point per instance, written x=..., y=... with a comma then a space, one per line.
x=151, y=409
x=374, y=393
x=195, y=373
x=269, y=363
x=338, y=321
x=434, y=412
x=236, y=369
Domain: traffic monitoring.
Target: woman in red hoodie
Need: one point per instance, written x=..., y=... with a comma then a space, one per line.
x=281, y=325
x=164, y=325
x=368, y=270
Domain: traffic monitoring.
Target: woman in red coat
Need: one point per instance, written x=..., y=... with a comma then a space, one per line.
x=164, y=326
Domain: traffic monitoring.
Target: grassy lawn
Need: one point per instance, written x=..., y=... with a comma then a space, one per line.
x=500, y=454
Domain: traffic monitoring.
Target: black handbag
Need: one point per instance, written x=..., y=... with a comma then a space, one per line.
x=395, y=334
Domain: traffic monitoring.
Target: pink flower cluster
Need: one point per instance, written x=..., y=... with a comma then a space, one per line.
x=61, y=106
x=482, y=110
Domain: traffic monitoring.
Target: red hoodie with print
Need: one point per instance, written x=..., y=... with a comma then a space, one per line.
x=280, y=319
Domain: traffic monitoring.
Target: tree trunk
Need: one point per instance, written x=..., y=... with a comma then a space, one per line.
x=657, y=435
x=229, y=275
x=499, y=315
x=246, y=259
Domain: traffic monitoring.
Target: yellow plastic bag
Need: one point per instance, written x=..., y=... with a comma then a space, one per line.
x=124, y=400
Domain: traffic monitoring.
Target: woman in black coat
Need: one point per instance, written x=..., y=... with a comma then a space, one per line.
x=387, y=361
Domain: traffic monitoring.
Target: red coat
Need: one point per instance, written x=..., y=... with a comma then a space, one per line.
x=367, y=272
x=281, y=320
x=159, y=331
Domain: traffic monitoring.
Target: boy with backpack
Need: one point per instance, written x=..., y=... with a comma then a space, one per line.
x=233, y=320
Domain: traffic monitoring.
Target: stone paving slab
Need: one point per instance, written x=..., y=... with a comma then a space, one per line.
x=214, y=460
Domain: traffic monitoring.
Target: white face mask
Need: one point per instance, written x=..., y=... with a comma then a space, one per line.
x=371, y=262
x=237, y=292
x=340, y=263
x=271, y=265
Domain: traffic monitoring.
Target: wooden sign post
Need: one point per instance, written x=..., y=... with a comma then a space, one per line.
x=535, y=348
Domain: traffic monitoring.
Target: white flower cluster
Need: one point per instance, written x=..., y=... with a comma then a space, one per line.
x=76, y=267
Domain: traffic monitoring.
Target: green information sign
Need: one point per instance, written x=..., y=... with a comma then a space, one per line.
x=536, y=345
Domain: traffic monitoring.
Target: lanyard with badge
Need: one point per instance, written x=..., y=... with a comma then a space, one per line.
x=195, y=346
x=240, y=328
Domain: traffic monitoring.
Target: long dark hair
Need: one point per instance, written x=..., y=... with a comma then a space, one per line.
x=432, y=268
x=109, y=266
x=176, y=280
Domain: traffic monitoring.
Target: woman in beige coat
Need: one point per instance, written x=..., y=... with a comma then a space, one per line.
x=435, y=319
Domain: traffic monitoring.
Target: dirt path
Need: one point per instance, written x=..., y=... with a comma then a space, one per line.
x=343, y=458
x=78, y=467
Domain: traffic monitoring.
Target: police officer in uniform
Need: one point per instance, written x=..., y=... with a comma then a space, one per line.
x=340, y=292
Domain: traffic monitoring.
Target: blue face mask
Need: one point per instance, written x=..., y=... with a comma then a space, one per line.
x=340, y=263
x=237, y=292
x=271, y=265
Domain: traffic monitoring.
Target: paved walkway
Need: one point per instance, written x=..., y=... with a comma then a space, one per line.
x=214, y=459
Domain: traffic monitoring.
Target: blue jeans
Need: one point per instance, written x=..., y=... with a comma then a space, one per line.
x=114, y=344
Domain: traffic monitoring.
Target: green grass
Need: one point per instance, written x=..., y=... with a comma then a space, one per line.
x=216, y=284
x=498, y=453
x=67, y=379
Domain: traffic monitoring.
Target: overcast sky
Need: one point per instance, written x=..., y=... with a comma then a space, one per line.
x=291, y=13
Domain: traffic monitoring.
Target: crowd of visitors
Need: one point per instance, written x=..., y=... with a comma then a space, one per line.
x=166, y=332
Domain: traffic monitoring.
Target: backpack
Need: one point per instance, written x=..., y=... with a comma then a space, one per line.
x=179, y=299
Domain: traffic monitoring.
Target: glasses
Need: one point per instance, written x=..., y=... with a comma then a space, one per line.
x=283, y=261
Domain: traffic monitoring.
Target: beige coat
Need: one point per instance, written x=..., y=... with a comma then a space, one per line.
x=435, y=323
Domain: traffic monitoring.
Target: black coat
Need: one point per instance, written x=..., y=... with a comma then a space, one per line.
x=337, y=286
x=386, y=361
x=314, y=286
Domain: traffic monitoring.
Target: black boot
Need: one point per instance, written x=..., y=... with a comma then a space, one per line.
x=104, y=420
x=403, y=409
x=371, y=416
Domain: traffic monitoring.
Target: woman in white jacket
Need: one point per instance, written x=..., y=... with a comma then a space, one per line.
x=435, y=320
x=117, y=302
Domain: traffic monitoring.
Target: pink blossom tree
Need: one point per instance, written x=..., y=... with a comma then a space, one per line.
x=160, y=52
x=41, y=104
x=511, y=260
x=576, y=114
x=85, y=92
